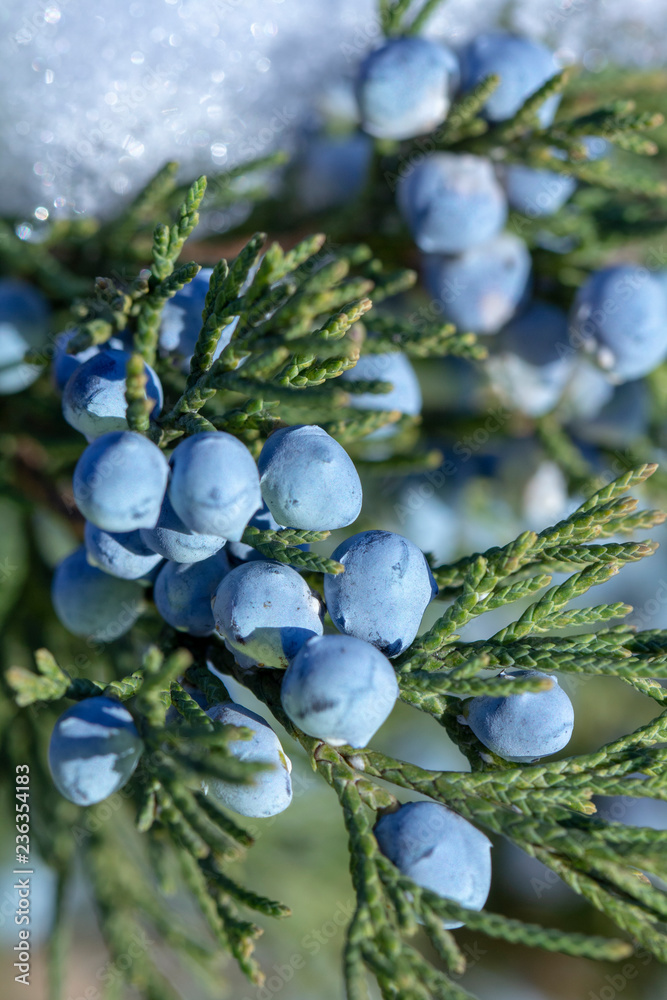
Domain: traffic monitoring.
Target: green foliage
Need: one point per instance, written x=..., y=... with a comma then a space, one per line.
x=302, y=318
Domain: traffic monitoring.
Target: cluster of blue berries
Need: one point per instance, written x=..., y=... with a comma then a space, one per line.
x=178, y=524
x=442, y=851
x=456, y=206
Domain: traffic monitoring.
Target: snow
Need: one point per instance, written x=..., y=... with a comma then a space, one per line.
x=97, y=96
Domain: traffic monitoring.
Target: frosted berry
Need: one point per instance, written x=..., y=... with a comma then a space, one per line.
x=482, y=288
x=440, y=851
x=536, y=192
x=173, y=540
x=534, y=359
x=452, y=202
x=24, y=315
x=120, y=481
x=182, y=320
x=214, y=485
x=93, y=751
x=404, y=396
x=265, y=610
x=93, y=604
x=339, y=689
x=523, y=67
x=308, y=479
x=121, y=554
x=404, y=87
x=269, y=792
x=522, y=727
x=384, y=591
x=619, y=317
x=64, y=365
x=183, y=593
x=94, y=395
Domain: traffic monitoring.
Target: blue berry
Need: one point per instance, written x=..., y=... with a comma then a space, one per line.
x=440, y=851
x=587, y=392
x=266, y=611
x=522, y=727
x=214, y=486
x=403, y=88
x=94, y=750
x=15, y=374
x=120, y=481
x=535, y=359
x=308, y=479
x=624, y=419
x=270, y=791
x=121, y=554
x=333, y=170
x=339, y=689
x=452, y=202
x=173, y=540
x=183, y=593
x=405, y=396
x=94, y=395
x=384, y=591
x=24, y=317
x=523, y=67
x=64, y=365
x=91, y=603
x=182, y=319
x=619, y=317
x=536, y=192
x=481, y=289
